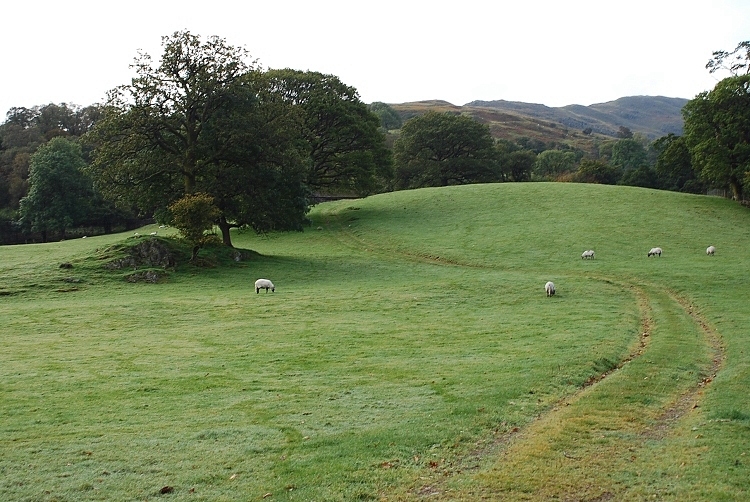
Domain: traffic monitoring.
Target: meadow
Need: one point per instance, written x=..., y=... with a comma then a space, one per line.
x=408, y=353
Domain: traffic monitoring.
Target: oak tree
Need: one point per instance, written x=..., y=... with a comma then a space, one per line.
x=196, y=122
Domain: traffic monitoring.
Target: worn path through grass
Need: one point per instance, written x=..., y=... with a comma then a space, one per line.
x=601, y=443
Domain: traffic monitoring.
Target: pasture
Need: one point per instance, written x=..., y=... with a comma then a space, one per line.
x=408, y=353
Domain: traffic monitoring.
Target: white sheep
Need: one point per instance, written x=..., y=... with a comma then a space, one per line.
x=549, y=288
x=655, y=252
x=710, y=250
x=588, y=254
x=264, y=284
x=153, y=233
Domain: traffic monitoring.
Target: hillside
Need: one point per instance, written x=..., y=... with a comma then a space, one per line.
x=408, y=353
x=651, y=116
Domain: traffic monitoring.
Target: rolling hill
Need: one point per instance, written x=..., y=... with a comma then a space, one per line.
x=408, y=353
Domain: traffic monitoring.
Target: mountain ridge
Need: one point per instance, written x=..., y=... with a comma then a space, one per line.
x=650, y=116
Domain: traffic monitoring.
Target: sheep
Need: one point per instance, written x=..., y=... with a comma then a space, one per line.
x=549, y=288
x=710, y=250
x=654, y=252
x=588, y=254
x=264, y=284
x=153, y=233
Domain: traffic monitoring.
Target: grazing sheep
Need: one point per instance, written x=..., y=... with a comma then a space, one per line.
x=588, y=255
x=549, y=288
x=710, y=250
x=654, y=252
x=264, y=284
x=153, y=233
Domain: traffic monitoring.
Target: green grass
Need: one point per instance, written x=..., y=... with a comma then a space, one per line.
x=409, y=351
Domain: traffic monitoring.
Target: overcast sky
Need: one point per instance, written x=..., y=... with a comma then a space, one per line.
x=554, y=52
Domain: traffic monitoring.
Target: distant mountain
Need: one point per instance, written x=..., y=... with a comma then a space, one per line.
x=652, y=116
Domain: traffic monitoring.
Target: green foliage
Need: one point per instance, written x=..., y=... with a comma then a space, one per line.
x=628, y=154
x=551, y=163
x=346, y=148
x=58, y=189
x=389, y=118
x=198, y=122
x=674, y=166
x=193, y=215
x=717, y=133
x=644, y=176
x=514, y=161
x=441, y=149
x=597, y=171
x=24, y=130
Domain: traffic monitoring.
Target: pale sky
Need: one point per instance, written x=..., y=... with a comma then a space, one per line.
x=553, y=52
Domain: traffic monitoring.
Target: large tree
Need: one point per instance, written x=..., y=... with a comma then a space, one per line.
x=674, y=167
x=346, y=148
x=717, y=133
x=58, y=189
x=441, y=149
x=196, y=122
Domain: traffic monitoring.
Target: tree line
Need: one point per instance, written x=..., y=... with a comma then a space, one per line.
x=206, y=137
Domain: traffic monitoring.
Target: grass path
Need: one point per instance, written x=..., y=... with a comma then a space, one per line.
x=592, y=446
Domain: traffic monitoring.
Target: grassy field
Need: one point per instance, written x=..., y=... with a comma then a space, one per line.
x=409, y=352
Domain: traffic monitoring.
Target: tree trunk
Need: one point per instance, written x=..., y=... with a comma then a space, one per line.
x=224, y=226
x=736, y=187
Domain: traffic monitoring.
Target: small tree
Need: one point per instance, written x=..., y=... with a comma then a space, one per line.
x=193, y=215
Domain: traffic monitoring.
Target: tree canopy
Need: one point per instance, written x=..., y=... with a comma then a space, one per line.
x=196, y=122
x=552, y=163
x=674, y=167
x=389, y=118
x=717, y=134
x=58, y=188
x=346, y=148
x=441, y=149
